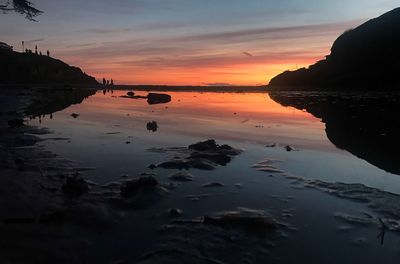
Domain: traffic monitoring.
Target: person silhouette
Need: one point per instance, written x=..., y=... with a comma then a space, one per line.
x=48, y=53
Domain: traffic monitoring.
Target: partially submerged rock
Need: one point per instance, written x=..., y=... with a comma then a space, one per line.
x=244, y=218
x=213, y=184
x=289, y=148
x=134, y=186
x=181, y=177
x=204, y=155
x=175, y=212
x=211, y=146
x=152, y=126
x=75, y=186
x=139, y=193
x=158, y=98
x=75, y=115
x=254, y=221
x=131, y=95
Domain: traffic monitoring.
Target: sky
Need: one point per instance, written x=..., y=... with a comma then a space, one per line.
x=188, y=42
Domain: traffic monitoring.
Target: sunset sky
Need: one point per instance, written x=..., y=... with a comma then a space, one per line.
x=194, y=42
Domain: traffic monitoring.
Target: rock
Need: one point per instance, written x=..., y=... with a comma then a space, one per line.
x=200, y=164
x=210, y=146
x=175, y=212
x=174, y=164
x=139, y=184
x=181, y=177
x=157, y=98
x=75, y=115
x=130, y=93
x=75, y=186
x=202, y=155
x=213, y=184
x=217, y=158
x=152, y=126
x=244, y=218
x=288, y=148
x=14, y=123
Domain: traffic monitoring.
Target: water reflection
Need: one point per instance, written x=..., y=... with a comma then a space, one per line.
x=366, y=125
x=48, y=101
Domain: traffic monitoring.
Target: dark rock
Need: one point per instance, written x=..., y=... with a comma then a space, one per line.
x=213, y=184
x=75, y=115
x=217, y=158
x=75, y=186
x=181, y=177
x=200, y=164
x=175, y=212
x=134, y=186
x=288, y=148
x=203, y=155
x=243, y=218
x=178, y=164
x=130, y=93
x=208, y=145
x=14, y=123
x=157, y=98
x=152, y=126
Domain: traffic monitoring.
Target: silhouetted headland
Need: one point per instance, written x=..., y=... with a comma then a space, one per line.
x=364, y=58
x=30, y=68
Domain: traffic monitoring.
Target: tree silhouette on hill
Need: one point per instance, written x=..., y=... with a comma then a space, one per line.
x=22, y=7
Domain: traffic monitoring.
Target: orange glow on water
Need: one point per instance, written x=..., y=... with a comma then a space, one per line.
x=235, y=116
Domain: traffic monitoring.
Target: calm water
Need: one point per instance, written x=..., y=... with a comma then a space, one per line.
x=250, y=121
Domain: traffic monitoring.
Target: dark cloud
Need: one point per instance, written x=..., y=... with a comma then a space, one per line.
x=222, y=60
x=248, y=54
x=271, y=33
x=80, y=45
x=218, y=84
x=107, y=31
x=31, y=41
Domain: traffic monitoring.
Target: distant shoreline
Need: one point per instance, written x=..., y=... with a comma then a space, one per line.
x=160, y=88
x=188, y=88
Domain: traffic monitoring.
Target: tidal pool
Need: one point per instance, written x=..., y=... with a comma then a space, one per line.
x=111, y=137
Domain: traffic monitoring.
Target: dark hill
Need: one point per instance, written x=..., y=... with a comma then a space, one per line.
x=33, y=69
x=364, y=58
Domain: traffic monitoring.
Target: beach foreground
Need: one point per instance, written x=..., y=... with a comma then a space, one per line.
x=111, y=169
